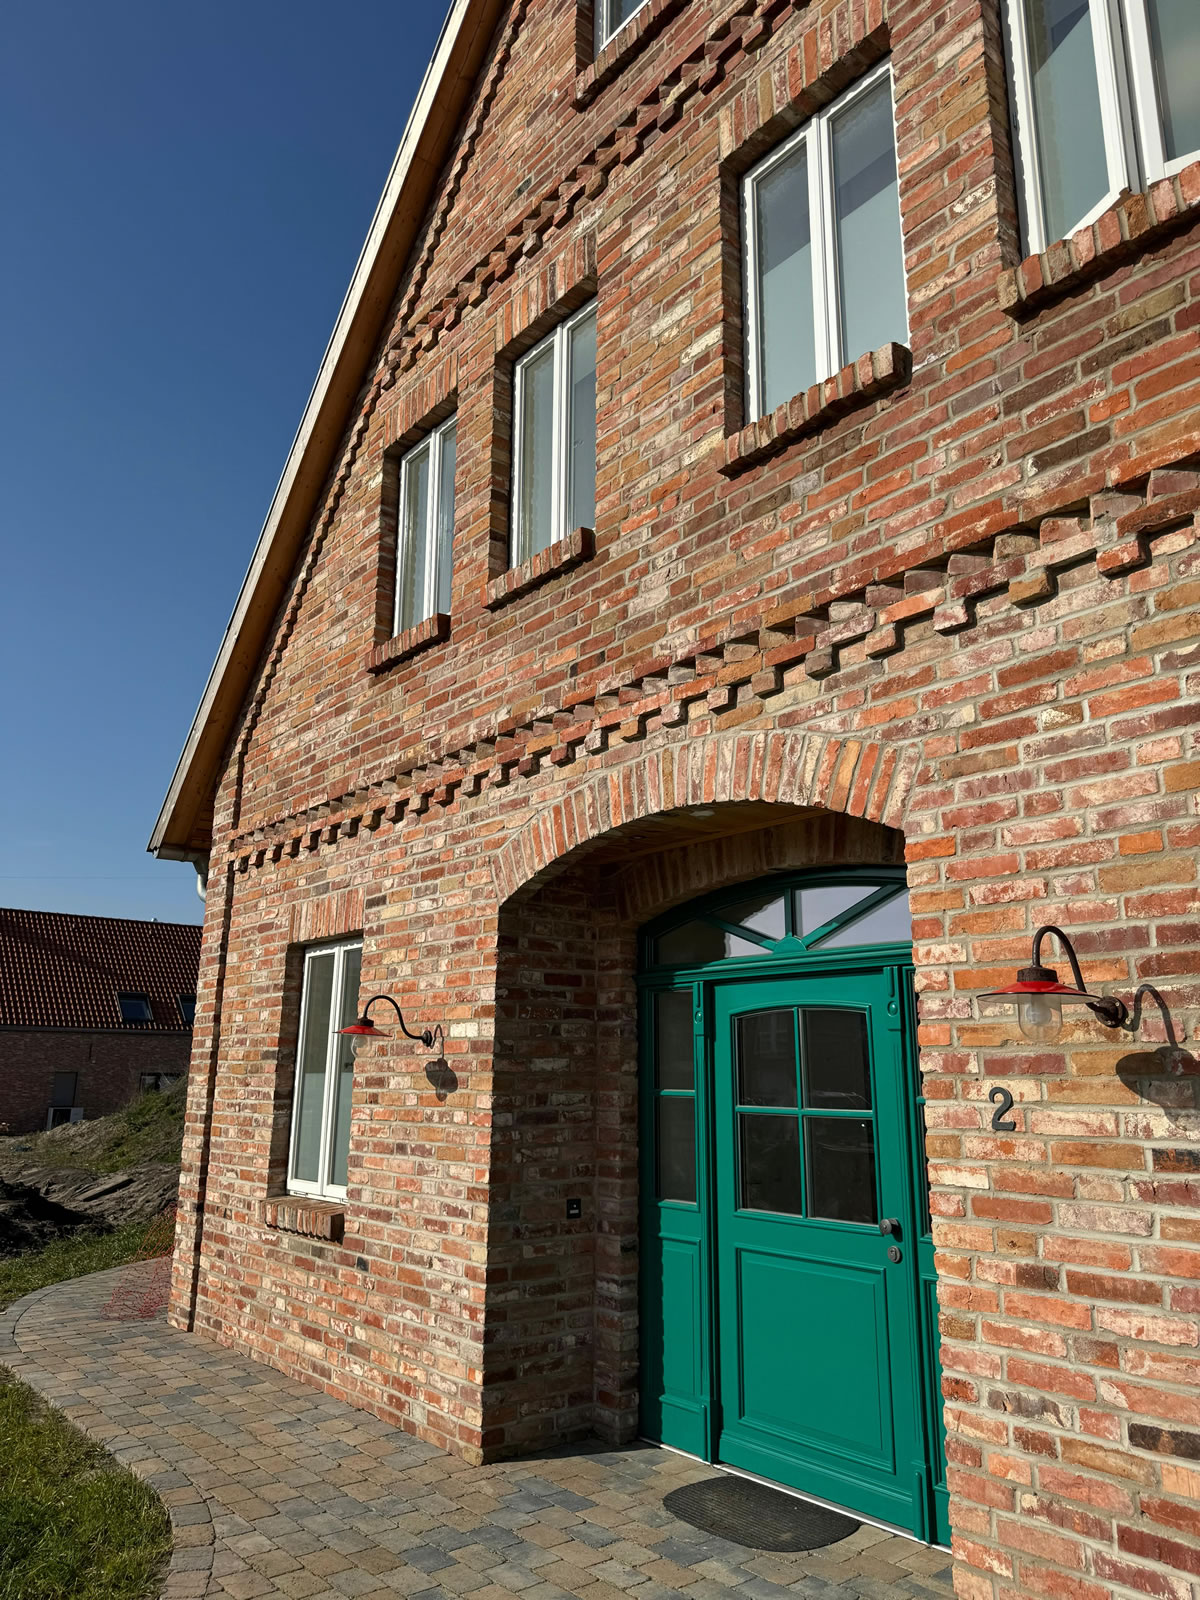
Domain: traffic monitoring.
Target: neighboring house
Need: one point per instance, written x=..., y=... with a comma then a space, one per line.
x=93, y=1010
x=735, y=579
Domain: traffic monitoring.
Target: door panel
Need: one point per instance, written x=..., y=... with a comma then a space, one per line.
x=818, y=1371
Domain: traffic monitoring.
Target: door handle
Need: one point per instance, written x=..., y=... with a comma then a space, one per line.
x=890, y=1225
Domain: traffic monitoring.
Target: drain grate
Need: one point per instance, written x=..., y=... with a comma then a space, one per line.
x=753, y=1515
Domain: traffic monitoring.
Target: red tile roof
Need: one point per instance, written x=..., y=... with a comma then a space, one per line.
x=63, y=971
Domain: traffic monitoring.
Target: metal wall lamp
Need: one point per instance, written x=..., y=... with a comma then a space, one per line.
x=1039, y=997
x=365, y=1029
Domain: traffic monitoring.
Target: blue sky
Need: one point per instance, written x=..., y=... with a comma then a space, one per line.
x=185, y=191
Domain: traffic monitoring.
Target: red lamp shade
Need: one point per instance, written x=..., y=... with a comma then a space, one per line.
x=1039, y=998
x=1064, y=991
x=363, y=1029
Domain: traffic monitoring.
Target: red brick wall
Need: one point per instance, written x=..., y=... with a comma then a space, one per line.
x=109, y=1067
x=964, y=610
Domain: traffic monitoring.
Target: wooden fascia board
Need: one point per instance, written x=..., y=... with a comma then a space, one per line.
x=432, y=125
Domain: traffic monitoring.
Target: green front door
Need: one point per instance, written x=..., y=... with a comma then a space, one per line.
x=815, y=1325
x=787, y=1303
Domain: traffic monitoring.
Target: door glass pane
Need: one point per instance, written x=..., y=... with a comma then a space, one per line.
x=890, y=923
x=692, y=945
x=815, y=907
x=785, y=337
x=310, y=1075
x=340, y=1152
x=837, y=1065
x=414, y=540
x=1066, y=103
x=583, y=424
x=537, y=450
x=673, y=1049
x=764, y=914
x=766, y=1058
x=770, y=1163
x=677, y=1148
x=445, y=527
x=870, y=256
x=1175, y=42
x=839, y=1157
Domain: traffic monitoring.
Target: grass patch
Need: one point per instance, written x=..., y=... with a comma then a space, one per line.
x=70, y=1257
x=150, y=1128
x=74, y=1525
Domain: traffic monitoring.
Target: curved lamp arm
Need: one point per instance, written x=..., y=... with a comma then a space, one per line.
x=425, y=1036
x=1111, y=1011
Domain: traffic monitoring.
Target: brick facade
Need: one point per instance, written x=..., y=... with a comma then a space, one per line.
x=943, y=611
x=109, y=1068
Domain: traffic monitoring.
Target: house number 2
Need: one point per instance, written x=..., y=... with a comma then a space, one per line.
x=1002, y=1100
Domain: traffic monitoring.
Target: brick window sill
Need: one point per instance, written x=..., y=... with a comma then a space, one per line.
x=419, y=637
x=315, y=1219
x=561, y=556
x=1132, y=224
x=626, y=43
x=889, y=367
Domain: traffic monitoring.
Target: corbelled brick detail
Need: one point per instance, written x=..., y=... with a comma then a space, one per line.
x=954, y=621
x=314, y=1219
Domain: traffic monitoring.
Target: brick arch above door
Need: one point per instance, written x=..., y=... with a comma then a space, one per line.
x=870, y=779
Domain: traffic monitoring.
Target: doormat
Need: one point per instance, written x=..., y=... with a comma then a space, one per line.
x=751, y=1514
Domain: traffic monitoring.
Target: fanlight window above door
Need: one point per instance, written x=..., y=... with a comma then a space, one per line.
x=814, y=917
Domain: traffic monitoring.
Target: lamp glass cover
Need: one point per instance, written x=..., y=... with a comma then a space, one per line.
x=1039, y=1017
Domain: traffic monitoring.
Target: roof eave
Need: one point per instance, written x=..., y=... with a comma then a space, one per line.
x=432, y=124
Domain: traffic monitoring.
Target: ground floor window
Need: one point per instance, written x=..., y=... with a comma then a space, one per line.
x=320, y=1144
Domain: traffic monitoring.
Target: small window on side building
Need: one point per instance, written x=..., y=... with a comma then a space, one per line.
x=1106, y=96
x=134, y=1007
x=611, y=17
x=425, y=556
x=187, y=1008
x=554, y=437
x=824, y=260
x=320, y=1142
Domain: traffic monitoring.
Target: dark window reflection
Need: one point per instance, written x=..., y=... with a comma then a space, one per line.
x=677, y=1148
x=837, y=1065
x=766, y=1058
x=839, y=1158
x=770, y=1163
x=673, y=1053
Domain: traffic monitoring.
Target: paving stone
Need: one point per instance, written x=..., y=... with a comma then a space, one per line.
x=276, y=1491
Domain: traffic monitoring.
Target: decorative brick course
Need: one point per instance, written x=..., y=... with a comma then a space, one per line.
x=315, y=1219
x=432, y=630
x=957, y=624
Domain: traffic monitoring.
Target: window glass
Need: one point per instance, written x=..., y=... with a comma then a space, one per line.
x=867, y=213
x=612, y=15
x=1175, y=42
x=692, y=945
x=1066, y=103
x=785, y=288
x=537, y=452
x=310, y=1075
x=839, y=1164
x=582, y=509
x=62, y=1092
x=770, y=1163
x=763, y=913
x=340, y=1147
x=815, y=907
x=673, y=1048
x=889, y=923
x=445, y=518
x=134, y=1007
x=187, y=1008
x=837, y=1066
x=677, y=1148
x=766, y=1058
x=414, y=542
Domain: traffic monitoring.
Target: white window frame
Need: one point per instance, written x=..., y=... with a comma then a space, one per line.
x=817, y=131
x=322, y=1188
x=560, y=463
x=433, y=443
x=606, y=30
x=1129, y=111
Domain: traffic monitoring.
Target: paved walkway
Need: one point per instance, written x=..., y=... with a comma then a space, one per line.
x=275, y=1489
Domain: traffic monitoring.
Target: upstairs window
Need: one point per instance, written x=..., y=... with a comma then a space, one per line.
x=424, y=558
x=554, y=436
x=1106, y=96
x=824, y=262
x=320, y=1145
x=134, y=1007
x=611, y=17
x=187, y=1008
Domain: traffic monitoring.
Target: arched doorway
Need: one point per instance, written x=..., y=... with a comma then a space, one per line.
x=788, y=1313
